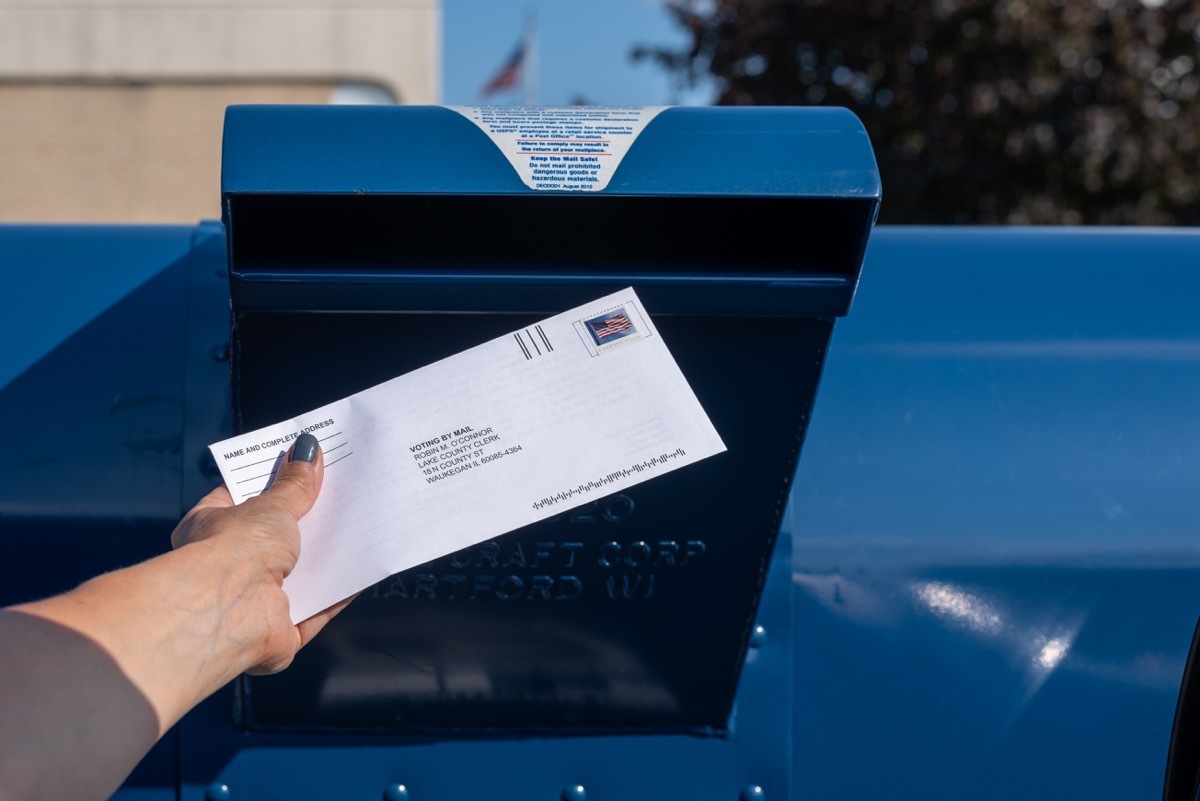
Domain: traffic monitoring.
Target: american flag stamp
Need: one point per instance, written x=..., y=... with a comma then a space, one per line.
x=619, y=326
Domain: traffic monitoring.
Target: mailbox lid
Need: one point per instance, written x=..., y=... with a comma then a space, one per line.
x=711, y=151
x=717, y=209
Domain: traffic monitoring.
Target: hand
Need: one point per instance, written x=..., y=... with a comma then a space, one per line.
x=259, y=543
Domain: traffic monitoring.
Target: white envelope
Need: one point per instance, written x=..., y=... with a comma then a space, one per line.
x=518, y=429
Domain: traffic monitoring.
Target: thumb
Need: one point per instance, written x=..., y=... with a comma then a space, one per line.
x=298, y=479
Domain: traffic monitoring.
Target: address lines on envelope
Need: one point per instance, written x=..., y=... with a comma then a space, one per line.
x=334, y=453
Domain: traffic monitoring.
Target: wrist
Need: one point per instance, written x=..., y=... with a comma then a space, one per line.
x=180, y=626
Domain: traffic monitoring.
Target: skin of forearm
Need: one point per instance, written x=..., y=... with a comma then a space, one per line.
x=89, y=680
x=58, y=673
x=136, y=648
x=180, y=626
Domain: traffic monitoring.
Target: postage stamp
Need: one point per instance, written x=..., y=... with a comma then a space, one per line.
x=618, y=326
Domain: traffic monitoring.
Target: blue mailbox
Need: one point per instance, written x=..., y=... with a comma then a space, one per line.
x=366, y=242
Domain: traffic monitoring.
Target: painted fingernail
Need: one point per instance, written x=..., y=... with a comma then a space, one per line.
x=304, y=449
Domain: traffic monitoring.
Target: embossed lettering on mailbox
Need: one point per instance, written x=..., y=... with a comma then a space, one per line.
x=535, y=571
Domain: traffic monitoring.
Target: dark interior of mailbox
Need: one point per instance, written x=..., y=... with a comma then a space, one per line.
x=699, y=235
x=632, y=613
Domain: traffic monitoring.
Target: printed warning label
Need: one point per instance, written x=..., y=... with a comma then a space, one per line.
x=572, y=149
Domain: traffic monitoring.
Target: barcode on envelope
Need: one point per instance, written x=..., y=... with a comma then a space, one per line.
x=533, y=343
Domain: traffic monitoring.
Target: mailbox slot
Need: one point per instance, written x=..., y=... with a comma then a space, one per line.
x=785, y=237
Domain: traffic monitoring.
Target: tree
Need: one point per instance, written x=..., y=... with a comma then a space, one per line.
x=1015, y=111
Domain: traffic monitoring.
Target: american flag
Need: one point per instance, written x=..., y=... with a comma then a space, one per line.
x=610, y=325
x=508, y=76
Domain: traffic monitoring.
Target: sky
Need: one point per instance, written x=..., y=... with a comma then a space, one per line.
x=583, y=50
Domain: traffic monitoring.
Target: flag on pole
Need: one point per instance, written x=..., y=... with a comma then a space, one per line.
x=509, y=74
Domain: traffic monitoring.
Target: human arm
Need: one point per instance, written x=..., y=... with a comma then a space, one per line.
x=89, y=680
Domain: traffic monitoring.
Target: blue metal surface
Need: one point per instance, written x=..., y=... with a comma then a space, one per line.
x=94, y=332
x=106, y=264
x=415, y=209
x=116, y=385
x=996, y=560
x=641, y=766
x=311, y=250
x=432, y=150
x=994, y=580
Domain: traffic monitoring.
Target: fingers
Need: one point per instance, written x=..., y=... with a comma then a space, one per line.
x=298, y=480
x=294, y=491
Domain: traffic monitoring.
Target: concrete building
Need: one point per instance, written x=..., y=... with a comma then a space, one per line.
x=111, y=110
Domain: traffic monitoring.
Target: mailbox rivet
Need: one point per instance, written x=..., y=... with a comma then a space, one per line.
x=758, y=637
x=220, y=353
x=575, y=792
x=752, y=792
x=217, y=791
x=395, y=792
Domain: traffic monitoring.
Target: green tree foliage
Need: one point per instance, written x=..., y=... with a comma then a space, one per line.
x=1014, y=111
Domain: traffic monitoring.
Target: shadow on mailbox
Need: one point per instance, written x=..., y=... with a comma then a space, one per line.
x=367, y=242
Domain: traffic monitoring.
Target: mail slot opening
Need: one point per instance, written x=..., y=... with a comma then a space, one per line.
x=541, y=234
